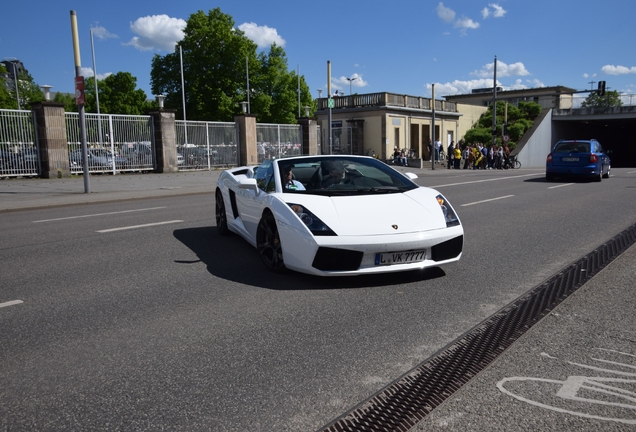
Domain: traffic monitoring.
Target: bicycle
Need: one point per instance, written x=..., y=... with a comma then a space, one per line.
x=511, y=163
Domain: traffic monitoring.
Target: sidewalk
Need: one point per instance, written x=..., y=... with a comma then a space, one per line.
x=22, y=193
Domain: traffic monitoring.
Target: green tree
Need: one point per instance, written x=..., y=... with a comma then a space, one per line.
x=118, y=94
x=609, y=99
x=520, y=119
x=28, y=91
x=6, y=100
x=68, y=100
x=214, y=68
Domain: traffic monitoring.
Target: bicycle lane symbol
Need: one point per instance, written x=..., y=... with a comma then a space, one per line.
x=586, y=390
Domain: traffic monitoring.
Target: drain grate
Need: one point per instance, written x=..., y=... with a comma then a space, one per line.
x=402, y=404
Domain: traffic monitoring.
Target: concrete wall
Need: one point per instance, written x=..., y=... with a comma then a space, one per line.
x=539, y=144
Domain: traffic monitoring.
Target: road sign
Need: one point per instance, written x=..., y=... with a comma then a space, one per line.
x=331, y=103
x=506, y=138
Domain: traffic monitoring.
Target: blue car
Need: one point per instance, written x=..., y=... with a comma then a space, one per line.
x=578, y=158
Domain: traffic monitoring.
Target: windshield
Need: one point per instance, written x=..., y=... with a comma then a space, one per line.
x=572, y=147
x=341, y=175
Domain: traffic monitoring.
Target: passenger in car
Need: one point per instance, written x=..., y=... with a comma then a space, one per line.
x=336, y=174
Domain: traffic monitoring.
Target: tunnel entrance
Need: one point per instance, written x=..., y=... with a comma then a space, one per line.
x=617, y=135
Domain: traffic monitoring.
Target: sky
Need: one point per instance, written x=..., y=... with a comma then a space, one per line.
x=400, y=46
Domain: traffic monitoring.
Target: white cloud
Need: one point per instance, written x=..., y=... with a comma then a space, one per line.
x=446, y=14
x=618, y=70
x=101, y=33
x=465, y=23
x=485, y=13
x=87, y=72
x=503, y=70
x=499, y=12
x=459, y=87
x=342, y=83
x=262, y=36
x=157, y=32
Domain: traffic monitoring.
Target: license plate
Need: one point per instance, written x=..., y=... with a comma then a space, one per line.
x=570, y=159
x=391, y=258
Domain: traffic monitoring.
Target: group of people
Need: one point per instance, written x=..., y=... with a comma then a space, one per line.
x=478, y=156
x=399, y=157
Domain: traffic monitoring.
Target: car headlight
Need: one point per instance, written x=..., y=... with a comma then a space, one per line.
x=315, y=225
x=449, y=214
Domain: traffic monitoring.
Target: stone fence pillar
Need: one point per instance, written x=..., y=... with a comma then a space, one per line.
x=248, y=154
x=52, y=140
x=310, y=136
x=165, y=140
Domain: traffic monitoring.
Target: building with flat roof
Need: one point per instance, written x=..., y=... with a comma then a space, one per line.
x=557, y=97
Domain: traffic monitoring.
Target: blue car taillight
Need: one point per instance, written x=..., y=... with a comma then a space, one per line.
x=449, y=214
x=315, y=225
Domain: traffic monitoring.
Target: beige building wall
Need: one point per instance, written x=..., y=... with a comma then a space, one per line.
x=470, y=116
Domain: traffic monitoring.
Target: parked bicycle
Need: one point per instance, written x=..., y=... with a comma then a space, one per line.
x=511, y=163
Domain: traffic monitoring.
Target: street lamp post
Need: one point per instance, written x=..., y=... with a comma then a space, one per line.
x=351, y=79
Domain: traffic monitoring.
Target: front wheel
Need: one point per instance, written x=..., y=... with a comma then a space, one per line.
x=516, y=164
x=268, y=244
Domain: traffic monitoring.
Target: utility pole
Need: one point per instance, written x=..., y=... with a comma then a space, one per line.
x=433, y=149
x=494, y=106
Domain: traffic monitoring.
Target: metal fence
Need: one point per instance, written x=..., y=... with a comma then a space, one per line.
x=204, y=145
x=115, y=143
x=278, y=141
x=18, y=149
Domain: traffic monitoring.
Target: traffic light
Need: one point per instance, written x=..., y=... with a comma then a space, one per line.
x=601, y=88
x=505, y=129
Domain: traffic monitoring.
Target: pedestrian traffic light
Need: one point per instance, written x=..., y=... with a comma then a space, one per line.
x=601, y=88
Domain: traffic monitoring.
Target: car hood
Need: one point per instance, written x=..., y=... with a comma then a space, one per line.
x=413, y=211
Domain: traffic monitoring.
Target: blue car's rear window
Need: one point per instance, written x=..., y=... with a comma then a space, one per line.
x=572, y=147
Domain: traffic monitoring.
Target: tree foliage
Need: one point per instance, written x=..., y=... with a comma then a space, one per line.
x=28, y=91
x=118, y=94
x=520, y=119
x=68, y=100
x=215, y=74
x=609, y=99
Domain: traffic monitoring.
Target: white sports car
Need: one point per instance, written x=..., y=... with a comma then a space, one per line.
x=337, y=215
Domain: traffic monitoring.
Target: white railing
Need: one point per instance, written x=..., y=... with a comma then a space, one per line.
x=18, y=149
x=208, y=144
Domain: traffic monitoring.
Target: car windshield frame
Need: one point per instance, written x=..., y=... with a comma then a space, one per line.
x=362, y=176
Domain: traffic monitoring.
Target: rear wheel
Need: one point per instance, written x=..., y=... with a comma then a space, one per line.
x=549, y=177
x=221, y=215
x=599, y=176
x=516, y=164
x=268, y=244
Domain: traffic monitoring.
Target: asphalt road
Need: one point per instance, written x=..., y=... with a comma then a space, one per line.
x=137, y=315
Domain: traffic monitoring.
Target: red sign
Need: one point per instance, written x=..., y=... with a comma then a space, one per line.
x=79, y=90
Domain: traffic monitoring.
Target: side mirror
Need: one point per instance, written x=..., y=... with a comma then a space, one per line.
x=411, y=175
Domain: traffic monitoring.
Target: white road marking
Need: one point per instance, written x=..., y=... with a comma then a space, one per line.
x=485, y=201
x=561, y=185
x=487, y=180
x=98, y=214
x=138, y=226
x=631, y=172
x=10, y=303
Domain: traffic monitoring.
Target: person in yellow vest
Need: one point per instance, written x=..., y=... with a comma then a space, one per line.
x=458, y=157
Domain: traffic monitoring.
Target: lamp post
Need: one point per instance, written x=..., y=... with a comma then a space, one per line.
x=160, y=99
x=351, y=79
x=244, y=106
x=307, y=108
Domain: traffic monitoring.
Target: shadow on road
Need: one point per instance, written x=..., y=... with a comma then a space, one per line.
x=234, y=259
